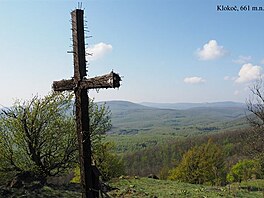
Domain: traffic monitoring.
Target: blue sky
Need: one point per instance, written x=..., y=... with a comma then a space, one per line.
x=166, y=50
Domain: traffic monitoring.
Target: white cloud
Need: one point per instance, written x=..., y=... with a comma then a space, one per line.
x=194, y=80
x=98, y=50
x=249, y=72
x=242, y=59
x=211, y=51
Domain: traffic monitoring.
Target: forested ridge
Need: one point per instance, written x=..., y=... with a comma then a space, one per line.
x=165, y=156
x=200, y=145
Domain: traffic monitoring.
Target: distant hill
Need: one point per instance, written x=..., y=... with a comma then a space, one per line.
x=132, y=118
x=123, y=105
x=194, y=105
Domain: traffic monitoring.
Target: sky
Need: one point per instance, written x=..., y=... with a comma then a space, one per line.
x=165, y=50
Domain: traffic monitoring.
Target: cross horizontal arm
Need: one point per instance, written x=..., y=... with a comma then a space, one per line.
x=111, y=80
x=63, y=85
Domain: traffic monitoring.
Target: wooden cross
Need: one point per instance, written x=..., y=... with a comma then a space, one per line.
x=80, y=84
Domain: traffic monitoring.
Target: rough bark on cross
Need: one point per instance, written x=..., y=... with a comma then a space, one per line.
x=80, y=84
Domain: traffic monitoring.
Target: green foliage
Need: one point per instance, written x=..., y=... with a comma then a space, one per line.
x=201, y=164
x=109, y=164
x=127, y=119
x=153, y=158
x=244, y=170
x=5, y=177
x=260, y=159
x=100, y=123
x=77, y=175
x=166, y=134
x=164, y=172
x=255, y=184
x=38, y=136
x=66, y=191
x=146, y=188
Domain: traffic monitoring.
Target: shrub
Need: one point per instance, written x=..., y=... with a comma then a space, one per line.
x=201, y=164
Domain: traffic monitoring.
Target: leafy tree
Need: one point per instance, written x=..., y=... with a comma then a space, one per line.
x=260, y=159
x=244, y=170
x=164, y=172
x=109, y=164
x=201, y=164
x=38, y=136
x=100, y=123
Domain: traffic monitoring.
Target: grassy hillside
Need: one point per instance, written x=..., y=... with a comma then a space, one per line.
x=145, y=188
x=150, y=188
x=66, y=191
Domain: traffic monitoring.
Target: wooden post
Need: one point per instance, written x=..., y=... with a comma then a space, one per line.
x=82, y=104
x=79, y=84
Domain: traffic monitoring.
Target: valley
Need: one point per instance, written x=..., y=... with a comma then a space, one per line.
x=136, y=126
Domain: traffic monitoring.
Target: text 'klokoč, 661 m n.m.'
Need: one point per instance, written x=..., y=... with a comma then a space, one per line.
x=241, y=8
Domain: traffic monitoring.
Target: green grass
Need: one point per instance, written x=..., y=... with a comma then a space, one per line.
x=150, y=188
x=44, y=192
x=134, y=187
x=253, y=185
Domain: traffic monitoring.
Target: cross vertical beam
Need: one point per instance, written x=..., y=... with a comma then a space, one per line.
x=78, y=44
x=80, y=84
x=82, y=104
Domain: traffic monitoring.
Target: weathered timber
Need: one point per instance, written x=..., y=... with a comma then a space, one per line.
x=111, y=80
x=82, y=104
x=80, y=84
x=78, y=44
